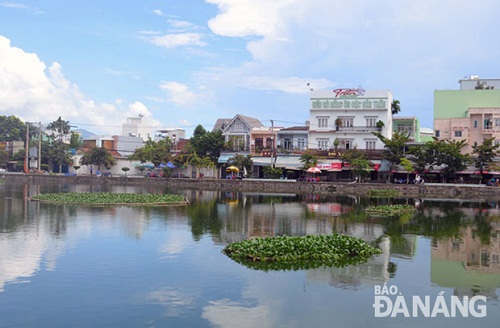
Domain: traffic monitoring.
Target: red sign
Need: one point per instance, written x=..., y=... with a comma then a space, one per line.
x=349, y=92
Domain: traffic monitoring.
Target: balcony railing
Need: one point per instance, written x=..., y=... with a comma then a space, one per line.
x=358, y=129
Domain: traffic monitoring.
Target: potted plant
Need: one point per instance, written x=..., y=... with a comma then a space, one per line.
x=338, y=123
x=380, y=125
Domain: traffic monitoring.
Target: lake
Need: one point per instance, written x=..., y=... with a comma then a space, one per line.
x=149, y=266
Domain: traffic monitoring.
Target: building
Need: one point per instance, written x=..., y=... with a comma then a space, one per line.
x=408, y=124
x=471, y=113
x=293, y=138
x=346, y=118
x=237, y=131
x=135, y=127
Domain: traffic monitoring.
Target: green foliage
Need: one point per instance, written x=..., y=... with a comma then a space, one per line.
x=104, y=198
x=241, y=161
x=395, y=147
x=295, y=253
x=207, y=144
x=12, y=128
x=273, y=172
x=390, y=209
x=75, y=140
x=485, y=153
x=309, y=160
x=98, y=156
x=60, y=126
x=156, y=152
x=395, y=107
x=449, y=154
x=357, y=161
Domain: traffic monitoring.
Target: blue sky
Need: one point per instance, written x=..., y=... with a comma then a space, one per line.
x=181, y=63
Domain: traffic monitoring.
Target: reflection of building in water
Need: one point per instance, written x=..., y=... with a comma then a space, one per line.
x=469, y=261
x=373, y=272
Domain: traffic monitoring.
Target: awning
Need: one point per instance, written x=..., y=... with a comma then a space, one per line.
x=262, y=161
x=330, y=166
x=224, y=158
x=289, y=162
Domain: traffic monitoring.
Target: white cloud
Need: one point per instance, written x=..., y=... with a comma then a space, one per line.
x=34, y=92
x=158, y=12
x=179, y=94
x=180, y=24
x=221, y=313
x=171, y=41
x=248, y=17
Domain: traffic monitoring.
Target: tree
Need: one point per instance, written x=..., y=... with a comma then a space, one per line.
x=485, y=153
x=423, y=155
x=12, y=128
x=98, y=156
x=395, y=107
x=395, y=147
x=59, y=152
x=75, y=141
x=242, y=162
x=358, y=162
x=200, y=162
x=309, y=160
x=207, y=143
x=449, y=154
x=156, y=152
x=407, y=166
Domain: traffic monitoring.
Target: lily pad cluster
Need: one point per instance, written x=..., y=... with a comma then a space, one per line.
x=102, y=198
x=390, y=209
x=300, y=252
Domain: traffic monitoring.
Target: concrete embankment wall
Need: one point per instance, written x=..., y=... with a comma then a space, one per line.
x=272, y=186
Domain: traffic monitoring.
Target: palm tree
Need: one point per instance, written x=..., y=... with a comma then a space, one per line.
x=395, y=107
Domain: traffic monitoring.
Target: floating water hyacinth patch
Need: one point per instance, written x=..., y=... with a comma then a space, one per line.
x=302, y=252
x=389, y=210
x=104, y=198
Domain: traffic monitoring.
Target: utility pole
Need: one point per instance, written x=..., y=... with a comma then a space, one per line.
x=39, y=145
x=26, y=148
x=272, y=143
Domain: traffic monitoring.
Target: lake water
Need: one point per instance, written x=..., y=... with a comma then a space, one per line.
x=80, y=266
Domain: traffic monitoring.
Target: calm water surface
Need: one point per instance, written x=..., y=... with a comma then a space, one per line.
x=79, y=266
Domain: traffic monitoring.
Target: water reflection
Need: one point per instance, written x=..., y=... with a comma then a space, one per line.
x=169, y=257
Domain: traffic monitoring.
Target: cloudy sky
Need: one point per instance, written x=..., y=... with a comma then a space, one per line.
x=181, y=63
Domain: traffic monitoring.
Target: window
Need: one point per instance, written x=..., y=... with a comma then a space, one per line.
x=487, y=124
x=370, y=144
x=458, y=134
x=259, y=143
x=301, y=143
x=346, y=144
x=347, y=121
x=371, y=122
x=475, y=123
x=437, y=133
x=287, y=144
x=406, y=128
x=497, y=122
x=322, y=122
x=323, y=143
x=238, y=126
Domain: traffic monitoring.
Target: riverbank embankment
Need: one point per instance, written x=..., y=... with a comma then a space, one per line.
x=435, y=190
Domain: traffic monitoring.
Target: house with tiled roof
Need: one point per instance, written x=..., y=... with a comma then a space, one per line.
x=237, y=131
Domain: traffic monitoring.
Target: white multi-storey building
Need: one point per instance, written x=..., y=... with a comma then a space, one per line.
x=346, y=118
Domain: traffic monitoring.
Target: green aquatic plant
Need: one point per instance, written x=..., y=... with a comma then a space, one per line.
x=300, y=252
x=390, y=209
x=106, y=198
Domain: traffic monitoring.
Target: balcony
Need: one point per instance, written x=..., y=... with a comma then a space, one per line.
x=358, y=129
